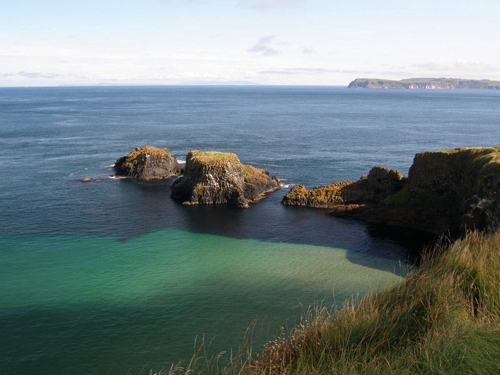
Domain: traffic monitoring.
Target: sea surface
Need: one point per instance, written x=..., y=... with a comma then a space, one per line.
x=113, y=277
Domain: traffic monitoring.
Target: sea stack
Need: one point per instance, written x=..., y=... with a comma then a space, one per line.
x=212, y=177
x=148, y=163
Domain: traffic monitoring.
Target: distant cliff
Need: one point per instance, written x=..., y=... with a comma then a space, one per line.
x=425, y=84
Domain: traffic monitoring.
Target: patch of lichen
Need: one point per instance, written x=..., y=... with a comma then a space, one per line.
x=344, y=192
x=213, y=157
x=138, y=157
x=198, y=189
x=341, y=193
x=252, y=174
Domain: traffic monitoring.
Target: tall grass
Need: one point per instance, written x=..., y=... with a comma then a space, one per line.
x=443, y=319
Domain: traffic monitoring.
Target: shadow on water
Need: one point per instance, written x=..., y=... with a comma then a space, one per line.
x=150, y=208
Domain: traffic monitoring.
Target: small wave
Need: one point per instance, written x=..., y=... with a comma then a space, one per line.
x=271, y=165
x=286, y=186
x=110, y=166
x=75, y=172
x=117, y=177
x=180, y=161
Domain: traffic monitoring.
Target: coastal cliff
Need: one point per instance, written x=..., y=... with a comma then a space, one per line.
x=450, y=190
x=425, y=84
x=378, y=185
x=212, y=177
x=148, y=163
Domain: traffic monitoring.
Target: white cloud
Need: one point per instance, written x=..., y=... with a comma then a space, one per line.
x=266, y=4
x=309, y=50
x=30, y=75
x=263, y=46
x=461, y=65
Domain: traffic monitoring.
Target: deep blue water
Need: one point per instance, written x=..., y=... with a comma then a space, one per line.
x=113, y=275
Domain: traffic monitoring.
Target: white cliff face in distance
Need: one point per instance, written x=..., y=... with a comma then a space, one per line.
x=426, y=84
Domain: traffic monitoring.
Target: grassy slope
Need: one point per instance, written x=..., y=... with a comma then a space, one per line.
x=443, y=319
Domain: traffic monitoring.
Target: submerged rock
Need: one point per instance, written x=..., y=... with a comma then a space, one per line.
x=450, y=190
x=148, y=163
x=212, y=177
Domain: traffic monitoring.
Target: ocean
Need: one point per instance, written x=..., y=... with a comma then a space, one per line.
x=113, y=277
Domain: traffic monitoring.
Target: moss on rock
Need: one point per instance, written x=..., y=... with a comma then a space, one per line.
x=450, y=190
x=379, y=183
x=213, y=177
x=148, y=163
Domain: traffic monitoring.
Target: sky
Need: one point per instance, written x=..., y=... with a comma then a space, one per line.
x=269, y=42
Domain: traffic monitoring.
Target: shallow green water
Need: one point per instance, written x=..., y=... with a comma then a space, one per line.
x=102, y=305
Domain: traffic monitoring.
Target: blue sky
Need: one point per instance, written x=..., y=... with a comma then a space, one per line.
x=294, y=42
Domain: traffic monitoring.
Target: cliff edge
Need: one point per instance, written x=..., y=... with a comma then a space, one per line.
x=450, y=190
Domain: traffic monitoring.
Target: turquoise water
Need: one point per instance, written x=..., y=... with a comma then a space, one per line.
x=112, y=275
x=101, y=305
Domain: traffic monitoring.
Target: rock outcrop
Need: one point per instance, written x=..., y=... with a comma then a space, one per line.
x=148, y=163
x=378, y=185
x=212, y=177
x=450, y=190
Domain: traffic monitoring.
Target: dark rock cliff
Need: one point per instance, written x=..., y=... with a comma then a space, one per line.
x=212, y=177
x=450, y=190
x=148, y=163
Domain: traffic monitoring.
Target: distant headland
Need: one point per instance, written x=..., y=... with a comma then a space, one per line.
x=425, y=84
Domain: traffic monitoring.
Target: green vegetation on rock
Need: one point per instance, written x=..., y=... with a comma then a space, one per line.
x=213, y=157
x=451, y=190
x=379, y=183
x=213, y=177
x=147, y=163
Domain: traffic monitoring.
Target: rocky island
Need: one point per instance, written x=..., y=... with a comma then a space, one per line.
x=148, y=163
x=425, y=84
x=212, y=177
x=450, y=190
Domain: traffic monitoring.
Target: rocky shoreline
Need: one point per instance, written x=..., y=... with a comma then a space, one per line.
x=446, y=191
